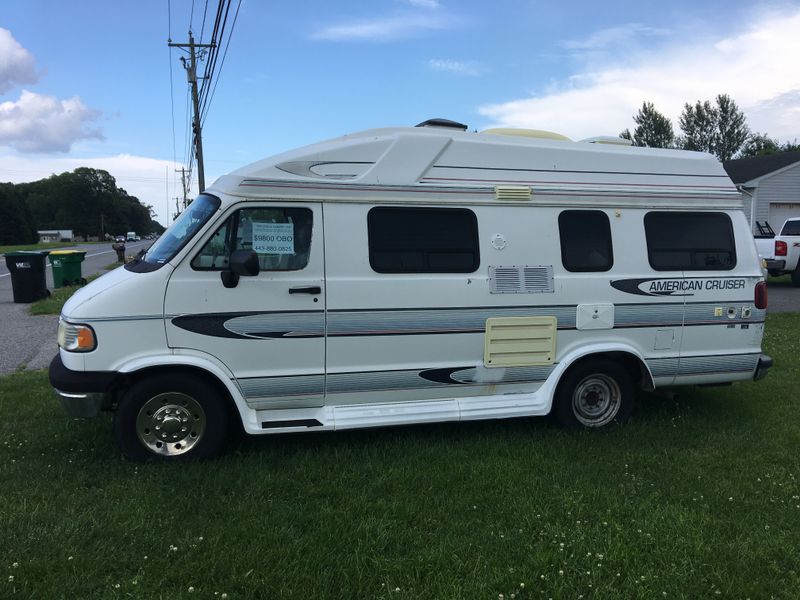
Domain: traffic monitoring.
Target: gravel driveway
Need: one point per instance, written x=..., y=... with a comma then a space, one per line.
x=28, y=342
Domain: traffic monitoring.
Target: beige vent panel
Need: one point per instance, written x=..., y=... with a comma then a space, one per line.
x=519, y=341
x=513, y=192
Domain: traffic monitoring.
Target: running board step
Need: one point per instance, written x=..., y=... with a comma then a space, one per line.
x=306, y=423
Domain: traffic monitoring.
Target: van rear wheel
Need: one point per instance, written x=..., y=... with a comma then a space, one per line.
x=170, y=417
x=594, y=394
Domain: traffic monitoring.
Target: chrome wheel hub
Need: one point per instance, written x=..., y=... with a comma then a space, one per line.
x=170, y=424
x=596, y=400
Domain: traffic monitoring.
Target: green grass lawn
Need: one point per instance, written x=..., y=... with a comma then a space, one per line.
x=694, y=498
x=44, y=246
x=53, y=304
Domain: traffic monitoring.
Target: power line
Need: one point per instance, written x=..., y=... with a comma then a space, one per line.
x=222, y=64
x=203, y=26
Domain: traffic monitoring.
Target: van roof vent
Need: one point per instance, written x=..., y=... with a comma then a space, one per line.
x=447, y=123
x=521, y=280
x=513, y=192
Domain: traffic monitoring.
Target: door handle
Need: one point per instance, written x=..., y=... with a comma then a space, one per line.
x=314, y=289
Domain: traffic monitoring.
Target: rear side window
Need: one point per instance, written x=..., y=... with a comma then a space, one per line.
x=423, y=240
x=585, y=241
x=689, y=241
x=791, y=228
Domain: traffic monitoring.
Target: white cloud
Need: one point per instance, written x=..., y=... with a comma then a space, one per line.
x=17, y=65
x=468, y=68
x=385, y=29
x=152, y=181
x=424, y=3
x=37, y=123
x=757, y=67
x=614, y=36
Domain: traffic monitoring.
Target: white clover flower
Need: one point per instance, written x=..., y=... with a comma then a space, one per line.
x=15, y=565
x=191, y=589
x=10, y=578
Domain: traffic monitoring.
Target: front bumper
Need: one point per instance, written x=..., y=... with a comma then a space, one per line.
x=764, y=364
x=83, y=394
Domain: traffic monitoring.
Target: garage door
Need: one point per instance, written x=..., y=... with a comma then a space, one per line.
x=779, y=212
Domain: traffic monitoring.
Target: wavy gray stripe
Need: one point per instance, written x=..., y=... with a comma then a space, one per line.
x=470, y=320
x=264, y=387
x=702, y=365
x=310, y=324
x=378, y=381
x=436, y=320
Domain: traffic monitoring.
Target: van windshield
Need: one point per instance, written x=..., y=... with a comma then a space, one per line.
x=182, y=230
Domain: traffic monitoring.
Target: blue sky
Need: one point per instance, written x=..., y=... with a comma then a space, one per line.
x=88, y=82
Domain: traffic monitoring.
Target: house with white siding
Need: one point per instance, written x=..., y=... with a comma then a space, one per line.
x=770, y=187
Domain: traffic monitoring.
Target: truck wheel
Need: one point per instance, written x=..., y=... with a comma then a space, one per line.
x=170, y=417
x=796, y=276
x=594, y=394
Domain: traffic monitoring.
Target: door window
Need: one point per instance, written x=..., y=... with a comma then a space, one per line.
x=280, y=237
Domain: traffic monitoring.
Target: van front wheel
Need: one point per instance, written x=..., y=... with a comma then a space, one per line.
x=594, y=394
x=170, y=417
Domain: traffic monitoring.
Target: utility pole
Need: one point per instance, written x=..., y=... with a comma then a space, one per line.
x=183, y=173
x=191, y=74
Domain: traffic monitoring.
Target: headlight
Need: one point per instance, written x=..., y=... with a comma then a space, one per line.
x=74, y=337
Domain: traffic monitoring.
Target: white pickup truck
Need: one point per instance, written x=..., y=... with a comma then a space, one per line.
x=781, y=252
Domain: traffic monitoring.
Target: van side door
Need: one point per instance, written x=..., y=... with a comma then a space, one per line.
x=268, y=330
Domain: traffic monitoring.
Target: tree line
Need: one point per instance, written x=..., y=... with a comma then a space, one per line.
x=87, y=201
x=719, y=128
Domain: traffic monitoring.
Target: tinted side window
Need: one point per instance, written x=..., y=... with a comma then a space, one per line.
x=791, y=228
x=423, y=240
x=585, y=240
x=689, y=241
x=281, y=237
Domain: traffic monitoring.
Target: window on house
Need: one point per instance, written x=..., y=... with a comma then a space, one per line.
x=585, y=241
x=423, y=240
x=685, y=241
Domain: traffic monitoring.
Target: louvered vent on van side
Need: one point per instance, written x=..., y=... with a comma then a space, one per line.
x=521, y=280
x=513, y=192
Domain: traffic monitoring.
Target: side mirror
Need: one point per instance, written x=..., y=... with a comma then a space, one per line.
x=242, y=262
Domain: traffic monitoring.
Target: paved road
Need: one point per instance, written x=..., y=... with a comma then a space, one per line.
x=29, y=342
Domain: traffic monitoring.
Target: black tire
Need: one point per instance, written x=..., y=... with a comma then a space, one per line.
x=796, y=276
x=594, y=394
x=171, y=417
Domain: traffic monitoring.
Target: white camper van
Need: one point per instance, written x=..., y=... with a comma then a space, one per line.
x=419, y=275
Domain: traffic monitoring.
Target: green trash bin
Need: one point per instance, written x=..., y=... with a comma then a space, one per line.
x=27, y=269
x=67, y=267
